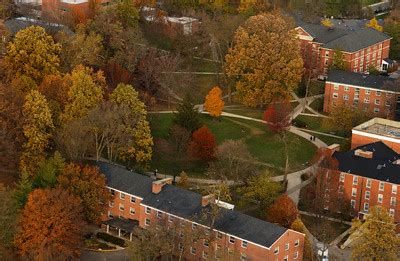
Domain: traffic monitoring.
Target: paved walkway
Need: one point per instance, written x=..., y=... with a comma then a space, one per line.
x=118, y=255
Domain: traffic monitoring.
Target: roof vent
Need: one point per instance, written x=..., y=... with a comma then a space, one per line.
x=364, y=153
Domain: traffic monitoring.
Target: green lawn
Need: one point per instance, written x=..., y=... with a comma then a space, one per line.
x=264, y=146
x=256, y=113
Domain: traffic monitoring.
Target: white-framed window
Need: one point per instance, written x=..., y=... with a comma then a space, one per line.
x=376, y=110
x=368, y=184
x=230, y=251
x=205, y=254
x=244, y=244
x=336, y=87
x=387, y=103
x=353, y=203
x=366, y=100
x=296, y=243
x=111, y=203
x=335, y=95
x=219, y=235
x=393, y=201
x=194, y=226
x=180, y=246
x=296, y=255
x=147, y=222
x=378, y=93
x=231, y=240
x=121, y=207
x=394, y=189
x=341, y=177
x=243, y=257
x=133, y=199
x=148, y=210
x=377, y=102
x=367, y=194
x=110, y=215
x=170, y=218
x=366, y=207
x=346, y=97
x=132, y=211
x=193, y=250
x=276, y=251
x=112, y=192
x=355, y=180
x=122, y=196
x=159, y=214
x=286, y=258
x=367, y=92
x=381, y=186
x=206, y=243
x=346, y=88
x=391, y=212
x=286, y=246
x=353, y=192
x=380, y=198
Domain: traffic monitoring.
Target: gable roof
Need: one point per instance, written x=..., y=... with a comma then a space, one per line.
x=187, y=204
x=378, y=82
x=380, y=167
x=347, y=35
x=14, y=25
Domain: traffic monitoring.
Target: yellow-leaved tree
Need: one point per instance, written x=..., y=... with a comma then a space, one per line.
x=37, y=127
x=373, y=23
x=85, y=93
x=140, y=146
x=32, y=53
x=327, y=23
x=265, y=61
x=214, y=103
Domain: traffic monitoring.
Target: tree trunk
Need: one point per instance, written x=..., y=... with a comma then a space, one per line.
x=286, y=156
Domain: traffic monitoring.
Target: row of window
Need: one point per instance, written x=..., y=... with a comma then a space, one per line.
x=287, y=246
x=368, y=196
x=193, y=251
x=366, y=207
x=368, y=183
x=122, y=196
x=336, y=87
x=366, y=99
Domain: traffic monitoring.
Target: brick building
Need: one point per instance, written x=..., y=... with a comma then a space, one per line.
x=361, y=47
x=375, y=94
x=141, y=201
x=377, y=129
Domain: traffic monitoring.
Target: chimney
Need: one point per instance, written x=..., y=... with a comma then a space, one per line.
x=332, y=148
x=364, y=153
x=158, y=184
x=206, y=200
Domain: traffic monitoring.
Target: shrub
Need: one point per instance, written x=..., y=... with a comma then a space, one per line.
x=299, y=123
x=109, y=238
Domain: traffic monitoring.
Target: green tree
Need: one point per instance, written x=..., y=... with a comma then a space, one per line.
x=376, y=238
x=127, y=13
x=338, y=61
x=37, y=127
x=22, y=190
x=261, y=68
x=32, y=53
x=187, y=117
x=139, y=148
x=8, y=9
x=46, y=176
x=8, y=218
x=85, y=93
x=343, y=118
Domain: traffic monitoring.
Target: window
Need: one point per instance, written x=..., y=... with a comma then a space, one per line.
x=357, y=90
x=110, y=215
x=378, y=93
x=133, y=199
x=353, y=203
x=112, y=192
x=296, y=243
x=219, y=235
x=296, y=255
x=286, y=246
x=147, y=222
x=353, y=192
x=170, y=219
x=231, y=240
x=244, y=244
x=366, y=207
x=346, y=97
x=243, y=257
x=180, y=246
x=335, y=95
x=341, y=177
x=381, y=186
x=205, y=254
x=367, y=92
x=336, y=87
x=181, y=234
x=194, y=226
x=366, y=100
x=394, y=189
x=327, y=53
x=286, y=258
x=148, y=210
x=387, y=103
x=376, y=110
x=355, y=180
x=341, y=188
x=377, y=101
x=193, y=250
x=276, y=251
x=392, y=201
x=367, y=194
x=121, y=207
x=346, y=88
x=391, y=212
x=159, y=214
x=111, y=204
x=368, y=184
x=206, y=243
x=122, y=196
x=380, y=198
x=132, y=211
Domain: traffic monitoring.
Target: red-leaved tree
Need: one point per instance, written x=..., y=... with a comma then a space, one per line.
x=203, y=144
x=283, y=211
x=279, y=119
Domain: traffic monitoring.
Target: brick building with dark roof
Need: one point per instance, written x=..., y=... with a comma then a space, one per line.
x=362, y=47
x=141, y=201
x=375, y=94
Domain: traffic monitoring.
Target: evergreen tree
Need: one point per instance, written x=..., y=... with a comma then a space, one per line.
x=187, y=117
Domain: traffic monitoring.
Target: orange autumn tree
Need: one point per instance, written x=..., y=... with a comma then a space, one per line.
x=88, y=184
x=51, y=226
x=283, y=211
x=203, y=144
x=214, y=103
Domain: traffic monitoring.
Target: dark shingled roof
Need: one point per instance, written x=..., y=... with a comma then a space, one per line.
x=379, y=167
x=125, y=224
x=378, y=82
x=120, y=178
x=347, y=35
x=16, y=24
x=187, y=204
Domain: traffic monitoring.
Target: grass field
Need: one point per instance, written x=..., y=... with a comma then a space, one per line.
x=263, y=145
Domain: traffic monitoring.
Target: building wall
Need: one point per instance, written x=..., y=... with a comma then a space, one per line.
x=359, y=140
x=336, y=94
x=127, y=204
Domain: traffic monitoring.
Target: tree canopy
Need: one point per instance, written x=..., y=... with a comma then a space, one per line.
x=214, y=103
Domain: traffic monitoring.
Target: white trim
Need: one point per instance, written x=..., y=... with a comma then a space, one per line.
x=360, y=87
x=120, y=191
x=375, y=136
